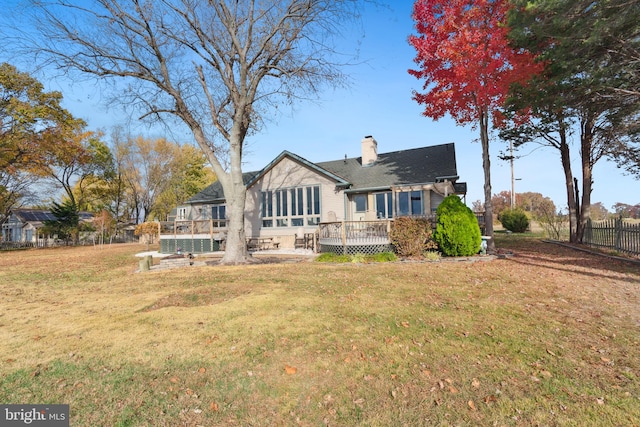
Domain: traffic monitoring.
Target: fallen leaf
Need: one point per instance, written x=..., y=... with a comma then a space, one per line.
x=174, y=379
x=405, y=324
x=290, y=370
x=490, y=398
x=546, y=373
x=453, y=390
x=213, y=406
x=475, y=383
x=551, y=352
x=471, y=405
x=202, y=370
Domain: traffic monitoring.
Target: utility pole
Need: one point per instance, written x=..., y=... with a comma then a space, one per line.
x=513, y=179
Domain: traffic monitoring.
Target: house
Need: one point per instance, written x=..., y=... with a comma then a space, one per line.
x=293, y=201
x=23, y=227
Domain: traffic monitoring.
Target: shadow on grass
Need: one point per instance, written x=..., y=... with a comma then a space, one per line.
x=533, y=251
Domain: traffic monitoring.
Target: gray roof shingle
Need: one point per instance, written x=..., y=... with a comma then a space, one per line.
x=414, y=166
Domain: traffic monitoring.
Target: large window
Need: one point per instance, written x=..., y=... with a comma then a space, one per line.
x=267, y=208
x=384, y=205
x=409, y=203
x=292, y=207
x=297, y=207
x=313, y=205
x=218, y=215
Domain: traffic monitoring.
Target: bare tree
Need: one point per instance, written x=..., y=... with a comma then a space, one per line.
x=219, y=67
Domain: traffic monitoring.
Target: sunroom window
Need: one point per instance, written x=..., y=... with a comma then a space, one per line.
x=409, y=203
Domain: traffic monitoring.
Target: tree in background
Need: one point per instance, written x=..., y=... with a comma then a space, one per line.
x=477, y=206
x=534, y=203
x=31, y=122
x=219, y=68
x=589, y=86
x=599, y=211
x=74, y=163
x=502, y=201
x=160, y=174
x=66, y=223
x=189, y=175
x=148, y=172
x=627, y=211
x=467, y=64
x=104, y=224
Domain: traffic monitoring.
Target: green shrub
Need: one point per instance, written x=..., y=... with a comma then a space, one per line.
x=411, y=237
x=357, y=258
x=382, y=257
x=331, y=257
x=457, y=231
x=514, y=220
x=432, y=256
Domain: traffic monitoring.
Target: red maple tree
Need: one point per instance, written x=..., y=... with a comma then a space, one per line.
x=464, y=57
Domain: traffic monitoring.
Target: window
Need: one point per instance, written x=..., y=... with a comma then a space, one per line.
x=219, y=213
x=361, y=202
x=409, y=203
x=282, y=219
x=267, y=208
x=384, y=205
x=181, y=214
x=313, y=205
x=297, y=207
x=291, y=207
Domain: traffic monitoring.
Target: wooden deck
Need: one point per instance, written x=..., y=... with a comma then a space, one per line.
x=348, y=233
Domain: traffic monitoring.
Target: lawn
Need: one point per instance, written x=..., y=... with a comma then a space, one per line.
x=547, y=337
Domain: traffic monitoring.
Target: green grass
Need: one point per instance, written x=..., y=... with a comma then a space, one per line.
x=548, y=337
x=358, y=258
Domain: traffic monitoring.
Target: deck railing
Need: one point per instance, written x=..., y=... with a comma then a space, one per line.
x=183, y=227
x=354, y=232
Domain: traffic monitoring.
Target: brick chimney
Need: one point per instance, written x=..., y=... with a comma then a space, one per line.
x=369, y=150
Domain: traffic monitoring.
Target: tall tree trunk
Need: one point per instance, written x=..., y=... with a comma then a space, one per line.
x=586, y=149
x=569, y=184
x=235, y=194
x=486, y=166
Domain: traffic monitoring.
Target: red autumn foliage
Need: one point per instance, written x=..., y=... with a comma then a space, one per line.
x=464, y=57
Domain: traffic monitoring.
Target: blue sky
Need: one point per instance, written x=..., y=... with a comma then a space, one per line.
x=379, y=103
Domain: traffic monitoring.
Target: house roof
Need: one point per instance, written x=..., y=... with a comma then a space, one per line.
x=414, y=166
x=41, y=215
x=214, y=192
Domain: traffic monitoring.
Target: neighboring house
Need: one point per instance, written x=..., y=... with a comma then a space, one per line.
x=23, y=226
x=292, y=196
